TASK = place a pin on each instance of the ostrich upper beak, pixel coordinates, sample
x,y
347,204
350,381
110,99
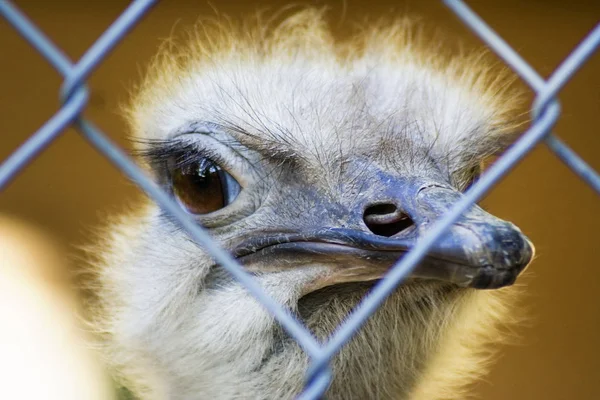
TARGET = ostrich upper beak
x,y
479,250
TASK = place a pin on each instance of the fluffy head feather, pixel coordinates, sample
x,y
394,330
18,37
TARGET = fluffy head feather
x,y
295,89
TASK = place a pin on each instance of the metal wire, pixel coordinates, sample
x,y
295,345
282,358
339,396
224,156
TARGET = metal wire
x,y
74,96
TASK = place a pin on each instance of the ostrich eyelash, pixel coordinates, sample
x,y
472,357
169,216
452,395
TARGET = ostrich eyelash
x,y
160,152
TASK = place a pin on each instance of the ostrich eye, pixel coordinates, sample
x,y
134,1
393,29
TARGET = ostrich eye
x,y
203,187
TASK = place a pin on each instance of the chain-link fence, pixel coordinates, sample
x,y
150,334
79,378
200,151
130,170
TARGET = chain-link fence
x,y
75,95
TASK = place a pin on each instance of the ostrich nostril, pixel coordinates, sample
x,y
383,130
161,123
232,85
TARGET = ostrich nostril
x,y
386,219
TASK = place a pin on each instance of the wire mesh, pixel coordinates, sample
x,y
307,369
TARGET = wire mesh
x,y
74,95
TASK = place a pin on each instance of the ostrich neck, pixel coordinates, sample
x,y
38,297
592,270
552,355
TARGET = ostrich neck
x,y
254,358
424,342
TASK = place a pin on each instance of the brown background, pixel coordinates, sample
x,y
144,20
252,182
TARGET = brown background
x,y
70,188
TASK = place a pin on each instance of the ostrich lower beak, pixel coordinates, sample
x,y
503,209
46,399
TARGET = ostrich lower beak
x,y
478,251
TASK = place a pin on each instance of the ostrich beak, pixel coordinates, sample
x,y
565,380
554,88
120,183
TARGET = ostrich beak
x,y
479,250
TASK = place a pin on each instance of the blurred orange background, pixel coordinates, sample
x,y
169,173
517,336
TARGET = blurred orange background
x,y
70,189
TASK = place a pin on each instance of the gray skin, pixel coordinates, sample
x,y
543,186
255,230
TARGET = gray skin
x,y
369,216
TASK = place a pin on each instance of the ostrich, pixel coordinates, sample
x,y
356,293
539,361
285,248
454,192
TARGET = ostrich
x,y
317,163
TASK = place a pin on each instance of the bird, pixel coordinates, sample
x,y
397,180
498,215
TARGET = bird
x,y
317,163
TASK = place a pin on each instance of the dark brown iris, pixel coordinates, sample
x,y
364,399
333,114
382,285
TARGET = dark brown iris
x,y
199,187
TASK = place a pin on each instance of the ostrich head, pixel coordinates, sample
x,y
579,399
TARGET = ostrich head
x,y
317,164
